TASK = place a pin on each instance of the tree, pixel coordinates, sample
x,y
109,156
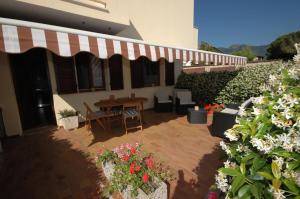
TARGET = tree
x,y
245,52
206,46
283,47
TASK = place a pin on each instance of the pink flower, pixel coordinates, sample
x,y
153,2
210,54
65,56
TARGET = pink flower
x,y
145,178
137,168
150,163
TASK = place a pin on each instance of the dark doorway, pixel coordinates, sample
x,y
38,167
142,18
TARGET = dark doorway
x,y
32,87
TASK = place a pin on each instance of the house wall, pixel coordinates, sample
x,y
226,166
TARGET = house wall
x,y
8,101
75,101
167,22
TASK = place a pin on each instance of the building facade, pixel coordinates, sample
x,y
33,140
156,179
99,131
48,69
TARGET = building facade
x,y
57,54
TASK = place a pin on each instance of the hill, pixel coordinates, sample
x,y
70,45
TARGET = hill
x,y
258,50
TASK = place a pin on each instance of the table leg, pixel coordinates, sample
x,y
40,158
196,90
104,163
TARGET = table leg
x,y
142,105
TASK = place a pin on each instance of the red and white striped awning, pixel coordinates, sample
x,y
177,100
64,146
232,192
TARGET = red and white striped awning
x,y
19,36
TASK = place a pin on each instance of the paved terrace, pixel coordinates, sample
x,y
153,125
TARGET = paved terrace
x,y
56,164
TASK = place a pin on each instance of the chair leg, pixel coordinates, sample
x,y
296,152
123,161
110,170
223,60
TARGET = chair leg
x,y
100,123
141,123
125,125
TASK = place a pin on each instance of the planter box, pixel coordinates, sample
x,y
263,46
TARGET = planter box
x,y
70,122
160,193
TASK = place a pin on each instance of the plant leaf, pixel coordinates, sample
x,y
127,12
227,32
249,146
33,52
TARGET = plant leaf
x,y
276,183
243,168
266,175
291,185
237,182
255,191
243,190
275,170
230,172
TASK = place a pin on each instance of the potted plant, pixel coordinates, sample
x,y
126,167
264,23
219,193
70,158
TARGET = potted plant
x,y
69,119
133,173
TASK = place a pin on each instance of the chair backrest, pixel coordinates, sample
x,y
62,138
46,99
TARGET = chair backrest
x,y
185,96
88,109
162,95
132,105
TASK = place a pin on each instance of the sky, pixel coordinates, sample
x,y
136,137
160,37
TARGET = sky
x,y
253,22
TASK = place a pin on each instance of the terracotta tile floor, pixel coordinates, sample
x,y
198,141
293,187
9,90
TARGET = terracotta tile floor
x,y
56,164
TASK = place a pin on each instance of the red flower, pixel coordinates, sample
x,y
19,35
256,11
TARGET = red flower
x,y
145,178
132,168
133,151
125,158
137,168
149,163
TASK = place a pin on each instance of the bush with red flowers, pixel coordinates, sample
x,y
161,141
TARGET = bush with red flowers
x,y
134,168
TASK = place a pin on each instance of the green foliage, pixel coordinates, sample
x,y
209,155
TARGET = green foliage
x,y
283,47
67,113
246,84
206,46
227,86
205,86
264,149
245,52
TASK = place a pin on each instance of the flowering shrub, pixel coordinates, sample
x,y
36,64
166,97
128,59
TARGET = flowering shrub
x,y
134,168
264,148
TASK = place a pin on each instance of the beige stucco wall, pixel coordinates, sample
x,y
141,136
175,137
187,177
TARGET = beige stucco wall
x,y
162,22
116,10
75,101
167,22
8,101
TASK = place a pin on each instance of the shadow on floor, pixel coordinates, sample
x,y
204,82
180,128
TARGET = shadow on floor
x,y
205,171
43,166
151,119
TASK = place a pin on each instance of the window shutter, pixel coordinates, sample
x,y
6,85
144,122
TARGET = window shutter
x,y
116,72
65,74
169,73
137,75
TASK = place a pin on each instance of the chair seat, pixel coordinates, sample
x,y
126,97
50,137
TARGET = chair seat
x,y
187,103
230,111
96,114
131,113
164,101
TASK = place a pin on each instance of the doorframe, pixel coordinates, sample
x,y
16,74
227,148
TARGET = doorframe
x,y
49,83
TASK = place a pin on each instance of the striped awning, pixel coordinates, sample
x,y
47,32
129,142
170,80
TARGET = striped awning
x,y
20,37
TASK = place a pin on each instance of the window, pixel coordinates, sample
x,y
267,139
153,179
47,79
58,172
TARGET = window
x,y
116,72
82,73
144,73
65,74
89,72
169,73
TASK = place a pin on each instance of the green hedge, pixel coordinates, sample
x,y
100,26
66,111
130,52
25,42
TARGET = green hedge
x,y
227,86
205,86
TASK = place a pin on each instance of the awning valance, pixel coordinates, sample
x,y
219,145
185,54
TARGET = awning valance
x,y
19,36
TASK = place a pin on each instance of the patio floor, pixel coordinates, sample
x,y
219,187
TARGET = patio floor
x,y
56,164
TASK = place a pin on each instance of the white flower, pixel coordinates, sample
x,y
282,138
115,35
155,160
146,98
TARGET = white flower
x,y
229,164
258,100
222,182
285,141
297,178
294,73
242,111
279,161
287,113
256,111
242,148
262,145
231,134
225,147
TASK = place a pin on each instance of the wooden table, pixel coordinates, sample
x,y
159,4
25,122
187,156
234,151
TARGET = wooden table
x,y
109,103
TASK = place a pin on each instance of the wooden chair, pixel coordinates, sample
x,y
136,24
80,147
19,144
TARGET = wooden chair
x,y
132,110
99,116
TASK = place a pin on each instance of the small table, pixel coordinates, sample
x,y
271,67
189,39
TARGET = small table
x,y
197,116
